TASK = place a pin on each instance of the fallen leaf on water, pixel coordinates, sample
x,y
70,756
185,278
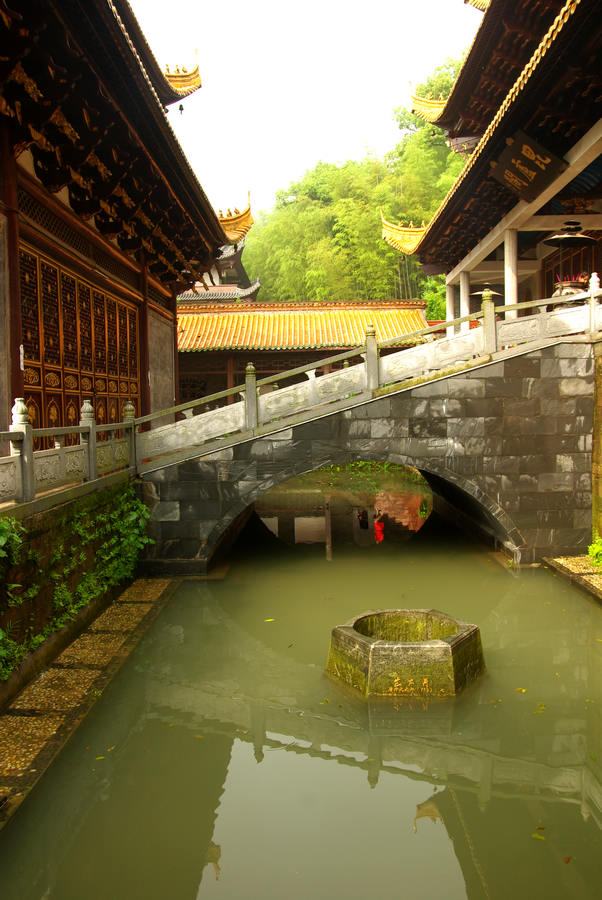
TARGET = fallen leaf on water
x,y
321,703
292,644
171,725
370,759
540,828
269,620
200,736
499,700
600,642
326,700
100,757
521,690
567,859
593,756
539,837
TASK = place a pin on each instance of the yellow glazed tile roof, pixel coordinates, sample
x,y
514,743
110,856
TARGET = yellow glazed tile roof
x,y
294,326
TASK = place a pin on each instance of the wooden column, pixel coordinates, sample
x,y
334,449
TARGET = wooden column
x,y
465,299
511,270
449,306
144,341
230,376
176,359
8,200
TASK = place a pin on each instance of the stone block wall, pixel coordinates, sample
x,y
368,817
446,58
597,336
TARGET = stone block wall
x,y
597,446
509,442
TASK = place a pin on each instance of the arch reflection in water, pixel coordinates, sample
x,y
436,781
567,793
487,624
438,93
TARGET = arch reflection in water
x,y
361,503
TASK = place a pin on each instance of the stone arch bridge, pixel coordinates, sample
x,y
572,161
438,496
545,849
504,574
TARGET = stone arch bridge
x,y
499,420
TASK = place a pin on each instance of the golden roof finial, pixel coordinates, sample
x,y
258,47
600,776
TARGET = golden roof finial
x,y
236,224
182,80
404,238
426,108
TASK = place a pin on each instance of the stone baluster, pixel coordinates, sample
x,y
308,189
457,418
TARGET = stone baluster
x,y
594,286
129,417
23,448
489,326
250,396
372,373
88,438
59,444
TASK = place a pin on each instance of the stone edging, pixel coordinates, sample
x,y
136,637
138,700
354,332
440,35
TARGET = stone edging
x,y
42,717
577,578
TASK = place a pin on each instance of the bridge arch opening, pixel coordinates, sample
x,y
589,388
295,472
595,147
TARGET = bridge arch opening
x,y
454,499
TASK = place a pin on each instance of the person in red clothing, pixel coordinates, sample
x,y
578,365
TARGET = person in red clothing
x,y
379,527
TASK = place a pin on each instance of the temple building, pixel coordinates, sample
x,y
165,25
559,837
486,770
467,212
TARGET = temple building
x,y
102,220
220,335
222,326
525,214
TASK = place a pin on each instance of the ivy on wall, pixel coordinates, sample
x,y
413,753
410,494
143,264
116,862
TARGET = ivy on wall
x,y
49,576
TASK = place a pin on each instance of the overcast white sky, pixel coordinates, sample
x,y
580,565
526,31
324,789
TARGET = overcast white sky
x,y
286,85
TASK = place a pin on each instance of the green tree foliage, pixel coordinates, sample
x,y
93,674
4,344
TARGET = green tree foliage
x,y
322,241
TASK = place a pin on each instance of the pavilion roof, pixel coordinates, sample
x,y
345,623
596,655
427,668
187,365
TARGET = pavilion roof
x,y
295,326
541,102
82,91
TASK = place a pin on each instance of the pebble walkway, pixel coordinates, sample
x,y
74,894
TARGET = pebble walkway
x,y
38,722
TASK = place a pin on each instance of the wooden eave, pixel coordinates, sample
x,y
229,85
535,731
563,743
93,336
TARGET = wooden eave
x,y
506,38
75,91
541,103
168,89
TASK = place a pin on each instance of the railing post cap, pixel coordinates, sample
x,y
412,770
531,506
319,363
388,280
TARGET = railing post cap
x,y
87,412
129,411
594,282
486,296
370,329
20,413
250,369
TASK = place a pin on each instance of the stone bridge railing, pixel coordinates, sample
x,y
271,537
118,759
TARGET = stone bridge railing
x,y
79,454
263,406
258,407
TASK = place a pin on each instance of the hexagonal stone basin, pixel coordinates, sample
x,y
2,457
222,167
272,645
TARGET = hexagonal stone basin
x,y
406,652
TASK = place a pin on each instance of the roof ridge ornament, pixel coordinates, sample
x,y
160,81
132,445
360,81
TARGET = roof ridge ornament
x,y
236,224
426,108
404,238
481,5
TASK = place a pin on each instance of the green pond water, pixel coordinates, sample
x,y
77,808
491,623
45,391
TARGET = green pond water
x,y
233,768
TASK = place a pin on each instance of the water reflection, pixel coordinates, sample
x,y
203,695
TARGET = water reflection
x,y
336,507
238,769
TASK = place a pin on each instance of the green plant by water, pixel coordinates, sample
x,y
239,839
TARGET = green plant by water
x,y
97,545
594,551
